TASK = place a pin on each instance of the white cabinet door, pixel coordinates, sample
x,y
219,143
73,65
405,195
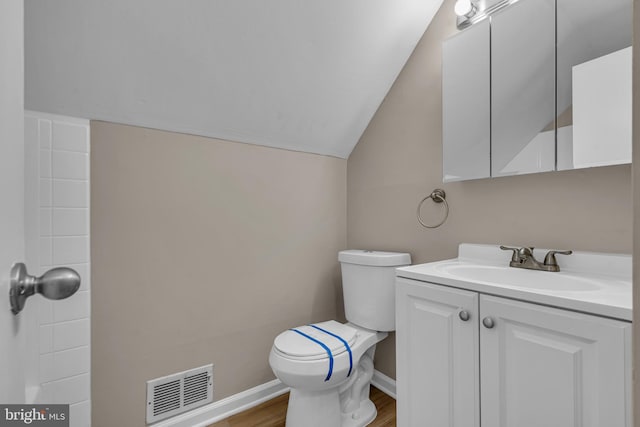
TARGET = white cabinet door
x,y
437,356
554,368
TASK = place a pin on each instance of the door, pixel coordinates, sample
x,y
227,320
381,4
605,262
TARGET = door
x,y
543,366
12,328
437,355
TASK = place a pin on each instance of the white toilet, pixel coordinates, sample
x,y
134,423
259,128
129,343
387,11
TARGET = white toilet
x,y
329,365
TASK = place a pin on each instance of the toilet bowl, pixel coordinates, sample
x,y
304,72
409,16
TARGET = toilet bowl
x,y
329,365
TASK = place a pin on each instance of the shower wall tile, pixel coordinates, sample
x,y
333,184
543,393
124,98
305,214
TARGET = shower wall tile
x,y
73,308
45,222
72,362
44,133
70,250
46,339
64,326
75,389
45,192
70,194
70,222
70,136
45,163
80,414
45,251
70,165
68,335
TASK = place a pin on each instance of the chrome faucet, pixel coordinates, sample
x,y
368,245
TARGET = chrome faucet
x,y
523,258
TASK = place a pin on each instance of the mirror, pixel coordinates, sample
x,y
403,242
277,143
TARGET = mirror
x,y
594,83
466,105
523,88
559,85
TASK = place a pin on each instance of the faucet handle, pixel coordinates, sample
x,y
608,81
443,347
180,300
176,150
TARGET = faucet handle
x,y
550,258
514,257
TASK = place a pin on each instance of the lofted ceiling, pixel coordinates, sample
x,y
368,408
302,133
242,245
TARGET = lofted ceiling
x,y
294,74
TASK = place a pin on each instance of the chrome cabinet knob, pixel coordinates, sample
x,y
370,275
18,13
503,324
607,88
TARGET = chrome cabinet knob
x,y
488,322
464,315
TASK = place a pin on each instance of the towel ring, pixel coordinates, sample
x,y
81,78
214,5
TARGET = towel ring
x,y
438,196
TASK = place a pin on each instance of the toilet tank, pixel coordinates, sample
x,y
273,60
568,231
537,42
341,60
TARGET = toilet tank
x,y
368,287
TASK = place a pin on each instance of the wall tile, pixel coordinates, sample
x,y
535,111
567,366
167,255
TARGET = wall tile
x,y
45,164
73,308
45,192
80,415
70,222
70,137
46,339
45,134
70,362
45,311
70,165
45,251
70,250
67,335
62,221
45,222
47,366
69,390
70,194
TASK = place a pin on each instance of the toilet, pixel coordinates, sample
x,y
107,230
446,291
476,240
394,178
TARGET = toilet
x,y
329,365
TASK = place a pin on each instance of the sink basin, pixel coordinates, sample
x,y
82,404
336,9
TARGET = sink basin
x,y
521,278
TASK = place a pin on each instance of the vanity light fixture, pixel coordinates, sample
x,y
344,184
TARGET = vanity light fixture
x,y
471,11
465,8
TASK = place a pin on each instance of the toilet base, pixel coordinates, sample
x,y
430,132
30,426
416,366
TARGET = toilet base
x,y
314,409
323,410
362,416
346,406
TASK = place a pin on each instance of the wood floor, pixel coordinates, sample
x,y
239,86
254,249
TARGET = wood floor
x,y
273,412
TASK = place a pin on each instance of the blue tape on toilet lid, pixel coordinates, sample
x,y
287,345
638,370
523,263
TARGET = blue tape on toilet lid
x,y
294,345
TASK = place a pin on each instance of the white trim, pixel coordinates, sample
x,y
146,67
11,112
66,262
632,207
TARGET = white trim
x,y
384,383
226,407
216,411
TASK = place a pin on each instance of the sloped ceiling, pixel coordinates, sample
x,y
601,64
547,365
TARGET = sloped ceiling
x,y
304,75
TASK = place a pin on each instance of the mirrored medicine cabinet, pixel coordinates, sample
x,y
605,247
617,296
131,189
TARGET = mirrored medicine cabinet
x,y
540,85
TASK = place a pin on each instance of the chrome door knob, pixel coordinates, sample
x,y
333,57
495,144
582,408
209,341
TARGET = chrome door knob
x,y
488,322
57,283
464,315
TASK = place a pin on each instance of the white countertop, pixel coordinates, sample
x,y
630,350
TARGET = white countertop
x,y
610,274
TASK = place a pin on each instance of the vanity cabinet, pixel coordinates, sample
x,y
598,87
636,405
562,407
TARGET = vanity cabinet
x,y
466,359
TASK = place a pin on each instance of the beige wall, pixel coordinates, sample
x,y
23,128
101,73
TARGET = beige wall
x,y
398,161
203,250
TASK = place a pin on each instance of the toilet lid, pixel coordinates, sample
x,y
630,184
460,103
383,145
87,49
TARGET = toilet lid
x,y
297,345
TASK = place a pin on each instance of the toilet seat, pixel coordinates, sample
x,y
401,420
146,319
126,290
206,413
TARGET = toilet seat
x,y
303,342
326,342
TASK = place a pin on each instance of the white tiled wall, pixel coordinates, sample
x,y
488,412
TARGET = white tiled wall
x,y
62,239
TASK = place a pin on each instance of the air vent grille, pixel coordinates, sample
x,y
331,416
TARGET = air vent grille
x,y
179,392
166,397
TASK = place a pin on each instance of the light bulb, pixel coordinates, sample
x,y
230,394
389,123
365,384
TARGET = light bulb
x,y
463,8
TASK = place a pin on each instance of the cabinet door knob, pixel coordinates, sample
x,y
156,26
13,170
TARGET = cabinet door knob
x,y
488,322
464,315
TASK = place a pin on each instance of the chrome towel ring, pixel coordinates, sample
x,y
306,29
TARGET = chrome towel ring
x,y
438,196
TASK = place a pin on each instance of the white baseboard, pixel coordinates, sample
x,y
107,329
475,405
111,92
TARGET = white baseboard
x,y
384,383
216,411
